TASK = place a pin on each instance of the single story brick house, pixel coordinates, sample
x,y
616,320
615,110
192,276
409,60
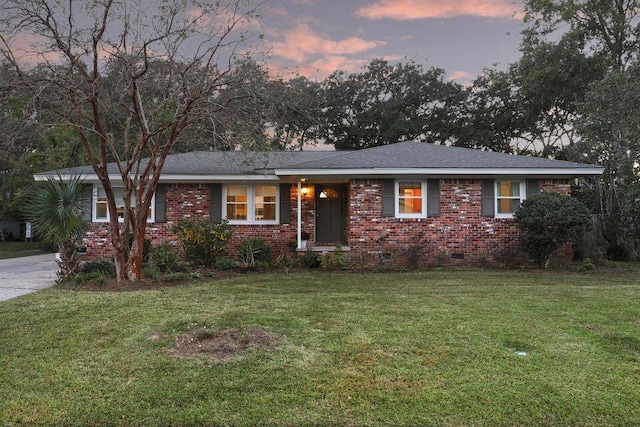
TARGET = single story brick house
x,y
378,204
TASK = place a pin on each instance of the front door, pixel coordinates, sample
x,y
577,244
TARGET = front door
x,y
329,213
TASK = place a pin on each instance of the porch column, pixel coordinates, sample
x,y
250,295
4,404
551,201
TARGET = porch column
x,y
299,197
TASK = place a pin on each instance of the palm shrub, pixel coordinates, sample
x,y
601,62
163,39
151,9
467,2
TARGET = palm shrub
x,y
55,212
548,221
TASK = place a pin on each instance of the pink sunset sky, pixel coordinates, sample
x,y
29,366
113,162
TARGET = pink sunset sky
x,y
318,37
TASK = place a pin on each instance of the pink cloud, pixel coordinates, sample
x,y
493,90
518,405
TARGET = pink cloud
x,y
316,69
465,78
424,9
302,42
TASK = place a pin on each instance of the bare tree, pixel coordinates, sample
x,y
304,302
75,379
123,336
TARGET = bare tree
x,y
166,64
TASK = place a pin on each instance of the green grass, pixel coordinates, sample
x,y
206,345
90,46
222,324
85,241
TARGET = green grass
x,y
20,249
432,348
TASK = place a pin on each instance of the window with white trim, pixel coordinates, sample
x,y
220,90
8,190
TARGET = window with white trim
x,y
509,196
101,212
411,199
251,204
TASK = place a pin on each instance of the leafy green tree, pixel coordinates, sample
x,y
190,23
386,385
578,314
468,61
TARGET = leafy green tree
x,y
491,118
55,213
548,221
297,111
609,124
388,103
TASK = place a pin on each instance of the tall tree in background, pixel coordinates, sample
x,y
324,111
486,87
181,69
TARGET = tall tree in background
x,y
297,110
585,55
189,45
389,103
491,118
609,126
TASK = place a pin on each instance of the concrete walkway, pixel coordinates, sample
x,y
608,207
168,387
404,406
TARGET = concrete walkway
x,y
21,276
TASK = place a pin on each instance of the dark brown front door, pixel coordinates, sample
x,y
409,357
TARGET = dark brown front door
x,y
329,213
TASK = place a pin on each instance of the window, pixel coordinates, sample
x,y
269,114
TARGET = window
x,y
101,212
411,201
237,203
251,204
265,203
509,196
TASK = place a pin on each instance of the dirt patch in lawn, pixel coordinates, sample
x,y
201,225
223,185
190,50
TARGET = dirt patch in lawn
x,y
223,345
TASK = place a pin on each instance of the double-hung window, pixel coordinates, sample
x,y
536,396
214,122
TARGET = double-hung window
x,y
411,200
509,196
100,210
251,204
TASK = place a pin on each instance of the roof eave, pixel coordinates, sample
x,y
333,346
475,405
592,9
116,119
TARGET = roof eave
x,y
565,171
166,178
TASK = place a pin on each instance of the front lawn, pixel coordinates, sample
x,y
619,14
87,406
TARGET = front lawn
x,y
430,348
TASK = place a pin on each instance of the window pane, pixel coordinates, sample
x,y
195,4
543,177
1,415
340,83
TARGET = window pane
x,y
410,198
237,211
265,202
101,210
410,189
509,189
237,194
237,202
508,206
329,193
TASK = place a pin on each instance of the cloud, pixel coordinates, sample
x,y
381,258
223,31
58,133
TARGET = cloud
x,y
404,10
463,77
301,42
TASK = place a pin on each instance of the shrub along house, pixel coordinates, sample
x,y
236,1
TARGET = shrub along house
x,y
453,205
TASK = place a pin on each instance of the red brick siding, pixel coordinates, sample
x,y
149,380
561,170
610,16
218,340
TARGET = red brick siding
x,y
460,228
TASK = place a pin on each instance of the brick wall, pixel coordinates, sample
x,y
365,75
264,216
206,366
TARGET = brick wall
x,y
459,232
459,236
192,201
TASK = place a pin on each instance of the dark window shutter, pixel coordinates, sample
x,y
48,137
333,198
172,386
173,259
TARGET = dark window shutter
x,y
488,195
433,197
388,197
86,203
161,203
533,187
215,204
285,203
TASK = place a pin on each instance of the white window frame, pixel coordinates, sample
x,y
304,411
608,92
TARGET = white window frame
x,y
251,204
94,210
496,198
423,184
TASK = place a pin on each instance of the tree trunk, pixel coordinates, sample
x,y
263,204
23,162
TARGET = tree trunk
x,y
136,254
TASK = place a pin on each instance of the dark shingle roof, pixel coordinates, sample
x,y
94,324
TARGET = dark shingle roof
x,y
403,155
419,155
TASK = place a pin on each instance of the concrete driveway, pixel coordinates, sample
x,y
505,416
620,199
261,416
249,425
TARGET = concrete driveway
x,y
21,276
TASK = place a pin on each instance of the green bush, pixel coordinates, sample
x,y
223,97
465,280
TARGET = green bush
x,y
164,257
203,241
102,266
225,264
97,277
336,260
310,259
252,251
548,221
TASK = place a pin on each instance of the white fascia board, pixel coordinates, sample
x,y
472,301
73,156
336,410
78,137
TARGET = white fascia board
x,y
170,178
596,170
